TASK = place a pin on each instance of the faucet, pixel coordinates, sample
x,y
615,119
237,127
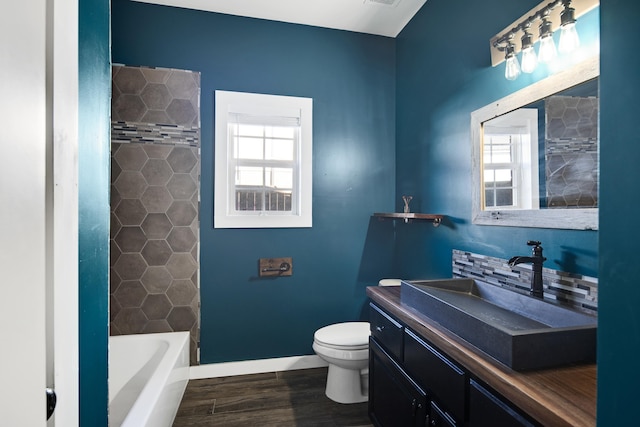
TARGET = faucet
x,y
536,261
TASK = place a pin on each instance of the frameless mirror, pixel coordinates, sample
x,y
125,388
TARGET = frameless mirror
x,y
535,154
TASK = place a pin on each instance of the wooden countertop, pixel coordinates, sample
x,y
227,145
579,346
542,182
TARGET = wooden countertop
x,y
554,397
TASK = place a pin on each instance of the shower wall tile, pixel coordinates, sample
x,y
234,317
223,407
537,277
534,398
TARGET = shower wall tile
x,y
155,105
571,151
155,177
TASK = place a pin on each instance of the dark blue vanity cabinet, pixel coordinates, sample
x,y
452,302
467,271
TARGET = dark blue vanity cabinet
x,y
394,398
486,409
413,383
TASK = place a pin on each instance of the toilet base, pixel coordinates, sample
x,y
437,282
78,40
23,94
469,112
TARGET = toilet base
x,y
346,385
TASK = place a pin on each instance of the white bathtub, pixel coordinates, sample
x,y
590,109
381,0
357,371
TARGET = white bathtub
x,y
148,374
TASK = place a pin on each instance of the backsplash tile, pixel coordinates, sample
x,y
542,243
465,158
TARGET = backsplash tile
x,y
573,290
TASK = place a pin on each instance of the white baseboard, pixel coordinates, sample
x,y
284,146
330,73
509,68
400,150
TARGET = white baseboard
x,y
226,369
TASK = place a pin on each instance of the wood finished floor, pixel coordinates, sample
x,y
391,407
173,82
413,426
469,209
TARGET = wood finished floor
x,y
291,398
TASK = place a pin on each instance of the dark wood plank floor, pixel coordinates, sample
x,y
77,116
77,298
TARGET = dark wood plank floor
x,y
291,398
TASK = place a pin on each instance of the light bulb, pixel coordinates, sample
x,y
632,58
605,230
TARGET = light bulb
x,y
569,40
529,60
512,70
547,52
529,57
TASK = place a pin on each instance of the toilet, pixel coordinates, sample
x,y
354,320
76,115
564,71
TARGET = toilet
x,y
345,347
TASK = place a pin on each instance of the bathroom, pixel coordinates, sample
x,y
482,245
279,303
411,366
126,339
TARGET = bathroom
x,y
393,108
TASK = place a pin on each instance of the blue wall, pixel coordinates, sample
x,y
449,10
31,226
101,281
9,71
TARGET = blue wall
x,y
94,106
619,290
351,78
444,73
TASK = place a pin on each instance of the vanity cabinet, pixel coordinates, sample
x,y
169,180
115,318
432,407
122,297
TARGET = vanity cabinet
x,y
413,383
394,398
486,409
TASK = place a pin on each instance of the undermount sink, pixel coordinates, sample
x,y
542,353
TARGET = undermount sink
x,y
518,330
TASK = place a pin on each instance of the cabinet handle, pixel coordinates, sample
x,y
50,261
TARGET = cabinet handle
x,y
379,328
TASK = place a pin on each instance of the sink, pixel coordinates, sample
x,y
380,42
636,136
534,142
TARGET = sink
x,y
520,331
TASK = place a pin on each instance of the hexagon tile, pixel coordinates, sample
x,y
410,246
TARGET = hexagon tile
x,y
571,151
155,105
154,202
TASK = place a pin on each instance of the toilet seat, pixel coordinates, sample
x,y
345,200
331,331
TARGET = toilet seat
x,y
349,336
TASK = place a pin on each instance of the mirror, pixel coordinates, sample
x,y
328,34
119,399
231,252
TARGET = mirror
x,y
535,154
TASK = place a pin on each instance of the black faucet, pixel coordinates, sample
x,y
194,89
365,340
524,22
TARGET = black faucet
x,y
536,261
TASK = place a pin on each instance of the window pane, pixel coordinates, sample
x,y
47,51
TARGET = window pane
x,y
497,149
250,130
278,201
489,176
504,197
279,149
279,177
503,177
249,148
246,175
501,153
489,199
279,132
248,200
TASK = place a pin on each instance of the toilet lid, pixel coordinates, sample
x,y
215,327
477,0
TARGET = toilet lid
x,y
344,334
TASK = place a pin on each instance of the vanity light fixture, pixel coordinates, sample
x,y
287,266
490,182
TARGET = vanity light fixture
x,y
550,16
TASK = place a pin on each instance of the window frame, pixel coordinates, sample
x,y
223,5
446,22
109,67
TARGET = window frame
x,y
263,107
522,129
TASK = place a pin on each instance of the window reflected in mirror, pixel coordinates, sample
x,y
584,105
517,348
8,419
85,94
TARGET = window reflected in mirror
x,y
544,155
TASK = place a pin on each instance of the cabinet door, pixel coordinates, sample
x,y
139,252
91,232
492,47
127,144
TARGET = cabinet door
x,y
444,380
394,399
488,410
438,418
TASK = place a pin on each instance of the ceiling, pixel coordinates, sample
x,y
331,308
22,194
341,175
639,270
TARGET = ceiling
x,y
380,17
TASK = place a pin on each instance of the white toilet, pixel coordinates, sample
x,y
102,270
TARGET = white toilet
x,y
345,346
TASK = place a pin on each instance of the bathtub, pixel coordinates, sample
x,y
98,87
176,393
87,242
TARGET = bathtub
x,y
148,374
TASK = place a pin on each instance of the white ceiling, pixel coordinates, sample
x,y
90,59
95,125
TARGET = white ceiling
x,y
381,17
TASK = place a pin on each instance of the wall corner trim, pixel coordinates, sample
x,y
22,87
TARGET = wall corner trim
x,y
226,369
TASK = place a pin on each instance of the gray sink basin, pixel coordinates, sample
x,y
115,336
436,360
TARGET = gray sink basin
x,y
518,330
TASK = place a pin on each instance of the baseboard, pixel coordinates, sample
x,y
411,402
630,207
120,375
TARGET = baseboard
x,y
226,369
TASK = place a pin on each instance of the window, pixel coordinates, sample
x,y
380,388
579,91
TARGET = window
x,y
510,161
263,149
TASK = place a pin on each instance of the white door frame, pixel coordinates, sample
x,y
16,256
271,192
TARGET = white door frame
x,y
38,221
62,212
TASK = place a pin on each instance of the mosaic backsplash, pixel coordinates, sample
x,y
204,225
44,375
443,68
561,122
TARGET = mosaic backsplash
x,y
155,180
574,290
571,151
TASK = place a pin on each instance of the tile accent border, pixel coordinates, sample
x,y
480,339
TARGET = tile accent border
x,y
123,132
573,290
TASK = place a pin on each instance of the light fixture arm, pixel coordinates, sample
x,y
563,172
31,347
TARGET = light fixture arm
x,y
501,42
